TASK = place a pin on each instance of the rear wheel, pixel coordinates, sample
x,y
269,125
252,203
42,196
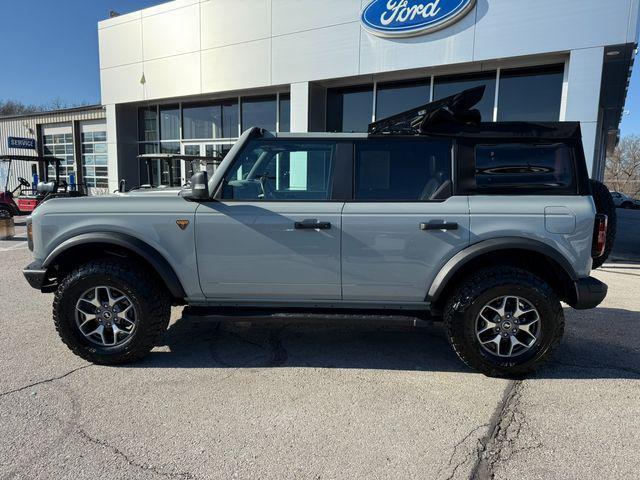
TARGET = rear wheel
x,y
504,321
111,312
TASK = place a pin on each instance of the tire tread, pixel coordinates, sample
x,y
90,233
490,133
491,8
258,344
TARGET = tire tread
x,y
482,281
158,315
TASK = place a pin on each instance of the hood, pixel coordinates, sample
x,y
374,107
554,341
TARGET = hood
x,y
152,192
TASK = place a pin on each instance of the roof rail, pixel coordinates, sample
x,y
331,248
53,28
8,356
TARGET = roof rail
x,y
454,109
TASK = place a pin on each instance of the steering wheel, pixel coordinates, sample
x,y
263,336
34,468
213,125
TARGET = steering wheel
x,y
23,182
267,190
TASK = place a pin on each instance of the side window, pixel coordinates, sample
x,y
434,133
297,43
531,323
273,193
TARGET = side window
x,y
403,169
511,167
281,170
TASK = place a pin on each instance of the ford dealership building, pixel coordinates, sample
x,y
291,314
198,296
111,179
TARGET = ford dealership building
x,y
188,76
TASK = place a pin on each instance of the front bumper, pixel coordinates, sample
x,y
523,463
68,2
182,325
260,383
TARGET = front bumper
x,y
35,275
589,293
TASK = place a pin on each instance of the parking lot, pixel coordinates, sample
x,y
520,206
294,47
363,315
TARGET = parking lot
x,y
315,401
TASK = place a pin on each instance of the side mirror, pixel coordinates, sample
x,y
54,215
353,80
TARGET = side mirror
x,y
199,186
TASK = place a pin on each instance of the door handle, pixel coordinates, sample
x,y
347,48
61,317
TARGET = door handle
x,y
312,225
439,226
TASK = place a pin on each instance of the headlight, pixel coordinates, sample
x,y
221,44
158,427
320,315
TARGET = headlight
x,y
30,234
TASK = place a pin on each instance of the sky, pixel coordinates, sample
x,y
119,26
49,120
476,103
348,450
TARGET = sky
x,y
631,117
49,50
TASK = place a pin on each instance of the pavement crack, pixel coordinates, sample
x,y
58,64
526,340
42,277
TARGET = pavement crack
x,y
134,463
468,455
48,380
500,446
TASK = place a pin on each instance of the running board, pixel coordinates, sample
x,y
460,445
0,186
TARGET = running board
x,y
240,314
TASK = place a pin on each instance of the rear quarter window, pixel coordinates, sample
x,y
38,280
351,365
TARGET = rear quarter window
x,y
513,168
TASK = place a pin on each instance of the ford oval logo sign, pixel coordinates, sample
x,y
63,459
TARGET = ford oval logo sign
x,y
405,18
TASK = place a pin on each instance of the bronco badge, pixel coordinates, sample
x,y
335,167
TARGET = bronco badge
x,y
183,224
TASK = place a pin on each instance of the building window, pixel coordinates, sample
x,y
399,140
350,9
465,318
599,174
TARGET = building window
x,y
148,124
60,145
285,113
170,122
94,159
394,98
349,109
530,94
208,121
259,112
451,85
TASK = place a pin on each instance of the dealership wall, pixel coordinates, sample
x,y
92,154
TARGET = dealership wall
x,y
190,48
32,125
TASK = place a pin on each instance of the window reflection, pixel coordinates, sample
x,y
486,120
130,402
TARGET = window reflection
x,y
394,98
451,85
169,122
530,94
259,112
349,109
285,113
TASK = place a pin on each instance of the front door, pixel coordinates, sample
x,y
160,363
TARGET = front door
x,y
404,223
274,233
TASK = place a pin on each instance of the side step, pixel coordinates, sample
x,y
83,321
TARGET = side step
x,y
241,314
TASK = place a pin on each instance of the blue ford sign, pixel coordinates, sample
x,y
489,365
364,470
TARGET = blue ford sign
x,y
17,142
406,18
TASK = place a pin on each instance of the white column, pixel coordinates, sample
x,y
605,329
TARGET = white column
x,y
300,107
112,147
581,100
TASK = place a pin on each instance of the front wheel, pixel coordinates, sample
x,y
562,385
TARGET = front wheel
x,y
111,312
504,321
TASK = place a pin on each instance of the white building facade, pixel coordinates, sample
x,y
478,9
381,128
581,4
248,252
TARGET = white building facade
x,y
188,76
75,136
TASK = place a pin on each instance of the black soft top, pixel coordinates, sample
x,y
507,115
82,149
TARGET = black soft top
x,y
507,130
455,117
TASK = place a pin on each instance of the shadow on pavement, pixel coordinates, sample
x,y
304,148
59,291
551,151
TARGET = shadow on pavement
x,y
602,343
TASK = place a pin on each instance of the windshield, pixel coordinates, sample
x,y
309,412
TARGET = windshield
x,y
4,174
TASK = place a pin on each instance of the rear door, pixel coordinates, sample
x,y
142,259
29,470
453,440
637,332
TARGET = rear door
x,y
403,223
275,232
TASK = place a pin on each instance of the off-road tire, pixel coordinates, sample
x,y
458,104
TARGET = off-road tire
x,y
152,302
605,205
465,303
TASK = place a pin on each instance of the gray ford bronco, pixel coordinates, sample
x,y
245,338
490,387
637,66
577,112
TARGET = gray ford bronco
x,y
431,214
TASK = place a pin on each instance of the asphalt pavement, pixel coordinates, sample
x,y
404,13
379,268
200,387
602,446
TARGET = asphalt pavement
x,y
627,244
286,400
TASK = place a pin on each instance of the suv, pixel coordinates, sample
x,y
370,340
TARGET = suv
x,y
622,200
486,226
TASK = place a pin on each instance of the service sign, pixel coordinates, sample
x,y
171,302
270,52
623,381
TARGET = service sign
x,y
17,142
407,18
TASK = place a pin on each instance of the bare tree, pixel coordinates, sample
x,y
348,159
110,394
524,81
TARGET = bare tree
x,y
14,107
622,172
